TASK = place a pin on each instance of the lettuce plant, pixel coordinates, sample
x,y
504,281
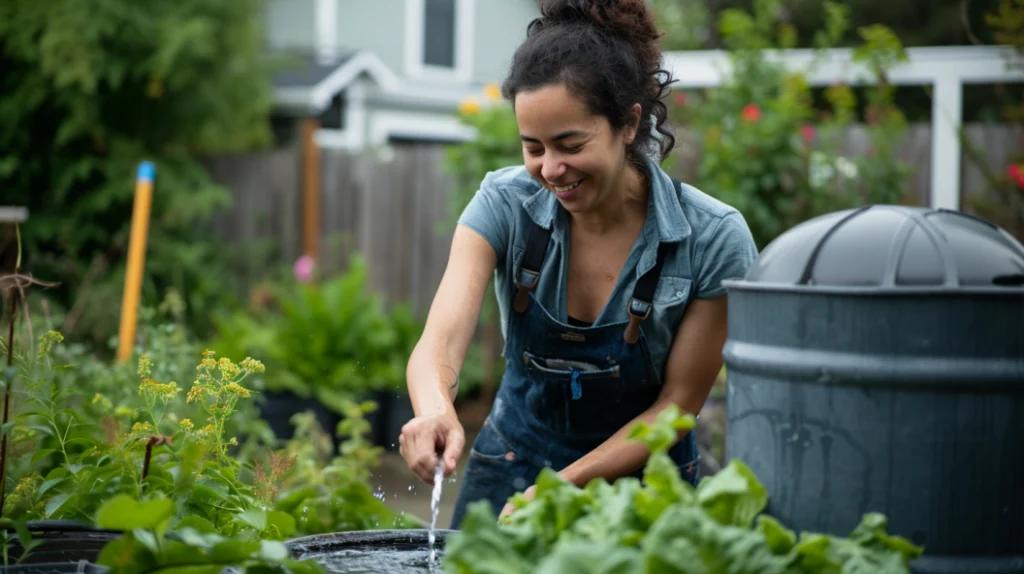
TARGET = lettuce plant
x,y
662,524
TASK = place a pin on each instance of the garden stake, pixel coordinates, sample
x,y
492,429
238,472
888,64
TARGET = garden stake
x,y
12,308
136,259
150,443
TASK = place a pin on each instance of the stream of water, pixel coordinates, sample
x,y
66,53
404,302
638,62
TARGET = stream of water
x,y
435,505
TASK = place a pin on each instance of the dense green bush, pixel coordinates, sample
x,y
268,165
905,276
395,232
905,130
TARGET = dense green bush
x,y
763,146
332,339
87,90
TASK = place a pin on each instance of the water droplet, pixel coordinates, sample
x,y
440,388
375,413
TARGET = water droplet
x,y
410,488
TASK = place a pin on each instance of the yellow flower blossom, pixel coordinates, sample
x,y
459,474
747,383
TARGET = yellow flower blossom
x,y
492,92
47,341
195,394
186,424
228,370
237,389
208,353
252,365
470,106
145,367
167,390
101,400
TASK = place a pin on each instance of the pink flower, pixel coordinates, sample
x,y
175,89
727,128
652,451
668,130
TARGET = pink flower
x,y
680,99
303,269
807,131
751,112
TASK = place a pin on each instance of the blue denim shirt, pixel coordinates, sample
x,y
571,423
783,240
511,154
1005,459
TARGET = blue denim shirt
x,y
716,244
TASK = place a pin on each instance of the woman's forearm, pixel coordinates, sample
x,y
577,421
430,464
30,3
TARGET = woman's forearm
x,y
432,379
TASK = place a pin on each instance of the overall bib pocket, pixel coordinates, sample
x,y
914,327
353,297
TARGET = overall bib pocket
x,y
585,400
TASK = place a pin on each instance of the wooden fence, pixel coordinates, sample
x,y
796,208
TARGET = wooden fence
x,y
392,206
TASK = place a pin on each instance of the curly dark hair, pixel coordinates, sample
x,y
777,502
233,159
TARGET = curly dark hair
x,y
606,53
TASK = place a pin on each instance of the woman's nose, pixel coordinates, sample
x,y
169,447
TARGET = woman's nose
x,y
553,168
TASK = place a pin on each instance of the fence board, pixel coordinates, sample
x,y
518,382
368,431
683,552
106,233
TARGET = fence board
x,y
392,205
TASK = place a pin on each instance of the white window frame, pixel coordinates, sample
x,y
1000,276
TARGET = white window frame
x,y
415,18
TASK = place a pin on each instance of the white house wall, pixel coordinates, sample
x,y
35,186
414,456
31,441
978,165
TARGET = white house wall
x,y
500,28
290,25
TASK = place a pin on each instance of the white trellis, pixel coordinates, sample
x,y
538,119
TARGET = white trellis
x,y
946,69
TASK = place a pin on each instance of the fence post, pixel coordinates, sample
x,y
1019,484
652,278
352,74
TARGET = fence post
x,y
310,188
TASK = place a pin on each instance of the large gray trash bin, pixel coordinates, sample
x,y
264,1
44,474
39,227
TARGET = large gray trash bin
x,y
876,363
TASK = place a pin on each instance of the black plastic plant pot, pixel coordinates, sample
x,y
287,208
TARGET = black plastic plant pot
x,y
392,551
279,407
80,567
61,542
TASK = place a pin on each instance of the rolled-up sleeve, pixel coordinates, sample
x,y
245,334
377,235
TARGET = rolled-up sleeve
x,y
727,252
489,213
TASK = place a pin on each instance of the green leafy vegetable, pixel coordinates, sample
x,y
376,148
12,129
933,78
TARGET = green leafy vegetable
x,y
662,525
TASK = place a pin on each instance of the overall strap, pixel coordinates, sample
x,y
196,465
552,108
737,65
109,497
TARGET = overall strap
x,y
639,306
528,273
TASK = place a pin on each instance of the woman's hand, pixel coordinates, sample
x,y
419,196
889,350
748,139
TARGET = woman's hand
x,y
424,437
510,508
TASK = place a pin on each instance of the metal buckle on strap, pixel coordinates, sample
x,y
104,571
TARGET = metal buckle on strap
x,y
524,287
632,334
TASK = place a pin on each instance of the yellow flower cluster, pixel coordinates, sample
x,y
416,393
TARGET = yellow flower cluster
x,y
472,105
47,341
186,424
237,389
158,389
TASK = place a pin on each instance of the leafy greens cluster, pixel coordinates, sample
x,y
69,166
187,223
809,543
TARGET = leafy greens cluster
x,y
662,524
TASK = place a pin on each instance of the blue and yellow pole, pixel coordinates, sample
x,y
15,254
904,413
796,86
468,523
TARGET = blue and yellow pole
x,y
136,259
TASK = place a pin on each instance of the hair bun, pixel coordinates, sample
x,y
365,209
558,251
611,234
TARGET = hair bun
x,y
629,19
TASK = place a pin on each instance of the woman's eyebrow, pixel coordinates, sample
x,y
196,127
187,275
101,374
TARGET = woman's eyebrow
x,y
561,136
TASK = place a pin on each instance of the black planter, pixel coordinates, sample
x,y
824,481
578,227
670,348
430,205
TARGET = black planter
x,y
278,407
395,409
392,551
64,545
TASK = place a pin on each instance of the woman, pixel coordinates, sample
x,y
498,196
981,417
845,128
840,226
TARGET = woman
x,y
608,273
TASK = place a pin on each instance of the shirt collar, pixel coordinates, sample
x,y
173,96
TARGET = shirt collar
x,y
669,224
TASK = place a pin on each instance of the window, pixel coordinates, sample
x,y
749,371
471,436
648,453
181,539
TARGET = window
x,y
439,33
439,36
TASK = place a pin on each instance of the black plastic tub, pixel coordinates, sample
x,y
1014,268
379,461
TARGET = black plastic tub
x,y
391,551
66,546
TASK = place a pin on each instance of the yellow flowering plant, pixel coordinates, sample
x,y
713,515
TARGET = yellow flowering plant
x,y
69,465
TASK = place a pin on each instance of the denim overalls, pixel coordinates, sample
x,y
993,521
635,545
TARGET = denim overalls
x,y
566,389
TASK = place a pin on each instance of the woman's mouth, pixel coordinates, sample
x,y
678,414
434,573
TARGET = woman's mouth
x,y
566,191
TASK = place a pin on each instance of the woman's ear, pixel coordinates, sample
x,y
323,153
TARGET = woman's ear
x,y
634,123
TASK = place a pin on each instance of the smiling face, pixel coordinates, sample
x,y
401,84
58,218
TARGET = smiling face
x,y
570,151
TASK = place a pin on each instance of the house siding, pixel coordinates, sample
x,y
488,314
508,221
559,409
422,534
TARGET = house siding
x,y
377,26
500,28
290,25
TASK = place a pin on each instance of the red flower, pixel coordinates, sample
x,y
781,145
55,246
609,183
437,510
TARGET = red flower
x,y
1017,174
751,112
680,99
807,131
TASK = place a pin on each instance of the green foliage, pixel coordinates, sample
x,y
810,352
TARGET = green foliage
x,y
662,524
76,454
763,148
88,91
148,546
332,339
1003,200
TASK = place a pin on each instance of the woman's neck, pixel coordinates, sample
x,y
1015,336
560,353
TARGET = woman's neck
x,y
623,204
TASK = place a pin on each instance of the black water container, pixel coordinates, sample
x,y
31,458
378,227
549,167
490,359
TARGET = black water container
x,y
876,364
391,551
64,547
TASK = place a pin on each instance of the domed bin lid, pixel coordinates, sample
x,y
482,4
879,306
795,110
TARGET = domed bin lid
x,y
885,248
